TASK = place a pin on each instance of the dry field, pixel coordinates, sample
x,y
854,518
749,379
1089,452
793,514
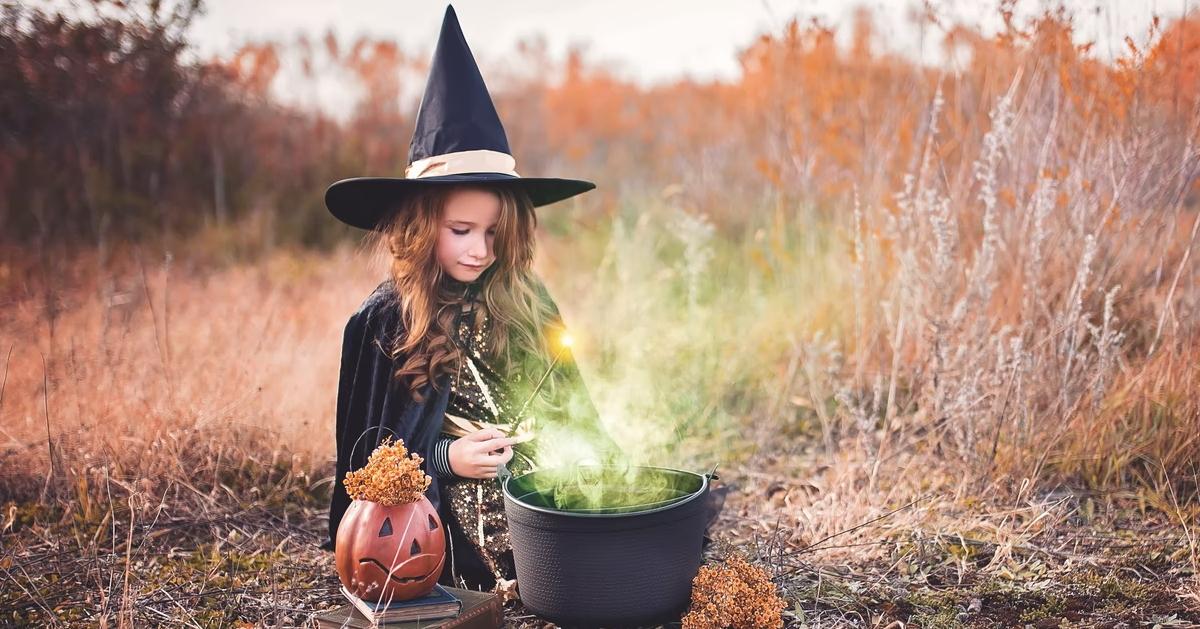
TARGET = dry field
x,y
938,331
168,444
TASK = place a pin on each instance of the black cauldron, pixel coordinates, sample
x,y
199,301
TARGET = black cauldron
x,y
625,557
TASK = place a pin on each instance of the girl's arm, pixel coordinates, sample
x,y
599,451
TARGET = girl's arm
x,y
370,404
479,454
351,404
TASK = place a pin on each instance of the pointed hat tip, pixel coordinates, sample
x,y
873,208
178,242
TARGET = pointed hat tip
x,y
450,20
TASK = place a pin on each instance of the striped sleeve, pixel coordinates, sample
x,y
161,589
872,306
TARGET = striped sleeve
x,y
441,457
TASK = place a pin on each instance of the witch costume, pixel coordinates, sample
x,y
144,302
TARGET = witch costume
x,y
457,139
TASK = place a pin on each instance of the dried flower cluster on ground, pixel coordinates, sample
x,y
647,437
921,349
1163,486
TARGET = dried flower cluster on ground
x,y
736,595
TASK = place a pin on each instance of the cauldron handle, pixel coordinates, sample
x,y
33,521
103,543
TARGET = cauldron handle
x,y
503,474
712,474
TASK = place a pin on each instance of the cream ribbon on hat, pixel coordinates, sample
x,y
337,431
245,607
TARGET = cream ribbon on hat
x,y
460,162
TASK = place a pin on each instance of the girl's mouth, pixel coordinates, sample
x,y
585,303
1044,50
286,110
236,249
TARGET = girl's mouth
x,y
473,267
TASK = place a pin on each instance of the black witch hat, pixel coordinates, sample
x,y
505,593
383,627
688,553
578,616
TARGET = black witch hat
x,y
458,139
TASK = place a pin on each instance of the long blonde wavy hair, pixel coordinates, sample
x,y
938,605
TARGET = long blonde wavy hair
x,y
520,317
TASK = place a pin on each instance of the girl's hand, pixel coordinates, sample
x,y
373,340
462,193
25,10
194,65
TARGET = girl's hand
x,y
480,453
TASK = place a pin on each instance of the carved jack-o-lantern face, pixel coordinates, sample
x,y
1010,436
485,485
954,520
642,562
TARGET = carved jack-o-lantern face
x,y
390,553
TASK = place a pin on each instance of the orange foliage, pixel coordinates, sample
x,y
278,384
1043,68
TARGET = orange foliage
x,y
253,67
806,120
816,120
1174,64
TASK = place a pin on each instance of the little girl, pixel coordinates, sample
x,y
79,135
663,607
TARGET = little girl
x,y
460,345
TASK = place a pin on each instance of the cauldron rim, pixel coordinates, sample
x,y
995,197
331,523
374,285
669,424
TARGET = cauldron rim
x,y
695,495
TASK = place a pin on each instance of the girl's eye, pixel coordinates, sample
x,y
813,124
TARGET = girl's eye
x,y
491,232
460,232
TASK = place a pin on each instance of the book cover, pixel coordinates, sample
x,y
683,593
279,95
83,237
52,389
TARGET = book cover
x,y
480,610
439,603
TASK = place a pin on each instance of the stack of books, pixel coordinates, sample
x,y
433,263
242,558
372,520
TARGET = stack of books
x,y
443,608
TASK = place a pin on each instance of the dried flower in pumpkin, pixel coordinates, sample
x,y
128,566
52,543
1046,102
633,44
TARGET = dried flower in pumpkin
x,y
391,476
736,595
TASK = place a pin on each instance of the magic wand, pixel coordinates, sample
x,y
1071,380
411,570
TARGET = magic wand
x,y
564,342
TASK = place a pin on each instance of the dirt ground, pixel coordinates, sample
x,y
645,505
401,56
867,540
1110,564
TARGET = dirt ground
x,y
216,559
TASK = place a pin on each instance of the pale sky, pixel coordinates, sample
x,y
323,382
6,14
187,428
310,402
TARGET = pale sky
x,y
645,40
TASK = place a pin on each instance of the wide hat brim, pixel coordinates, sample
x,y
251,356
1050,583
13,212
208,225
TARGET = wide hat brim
x,y
365,201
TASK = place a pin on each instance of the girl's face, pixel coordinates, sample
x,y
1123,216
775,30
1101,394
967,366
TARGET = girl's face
x,y
466,233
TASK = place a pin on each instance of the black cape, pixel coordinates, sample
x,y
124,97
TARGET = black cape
x,y
372,405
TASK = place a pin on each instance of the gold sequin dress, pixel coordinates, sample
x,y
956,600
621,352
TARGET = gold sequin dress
x,y
477,400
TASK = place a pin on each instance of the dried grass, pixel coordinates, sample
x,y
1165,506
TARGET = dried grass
x,y
985,367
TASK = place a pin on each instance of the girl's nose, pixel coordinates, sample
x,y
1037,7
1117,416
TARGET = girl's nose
x,y
479,248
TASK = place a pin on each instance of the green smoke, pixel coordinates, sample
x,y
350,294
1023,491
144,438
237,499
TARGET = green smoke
x,y
682,335
597,489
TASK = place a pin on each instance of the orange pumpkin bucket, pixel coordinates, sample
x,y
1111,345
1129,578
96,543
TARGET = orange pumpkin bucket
x,y
390,542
